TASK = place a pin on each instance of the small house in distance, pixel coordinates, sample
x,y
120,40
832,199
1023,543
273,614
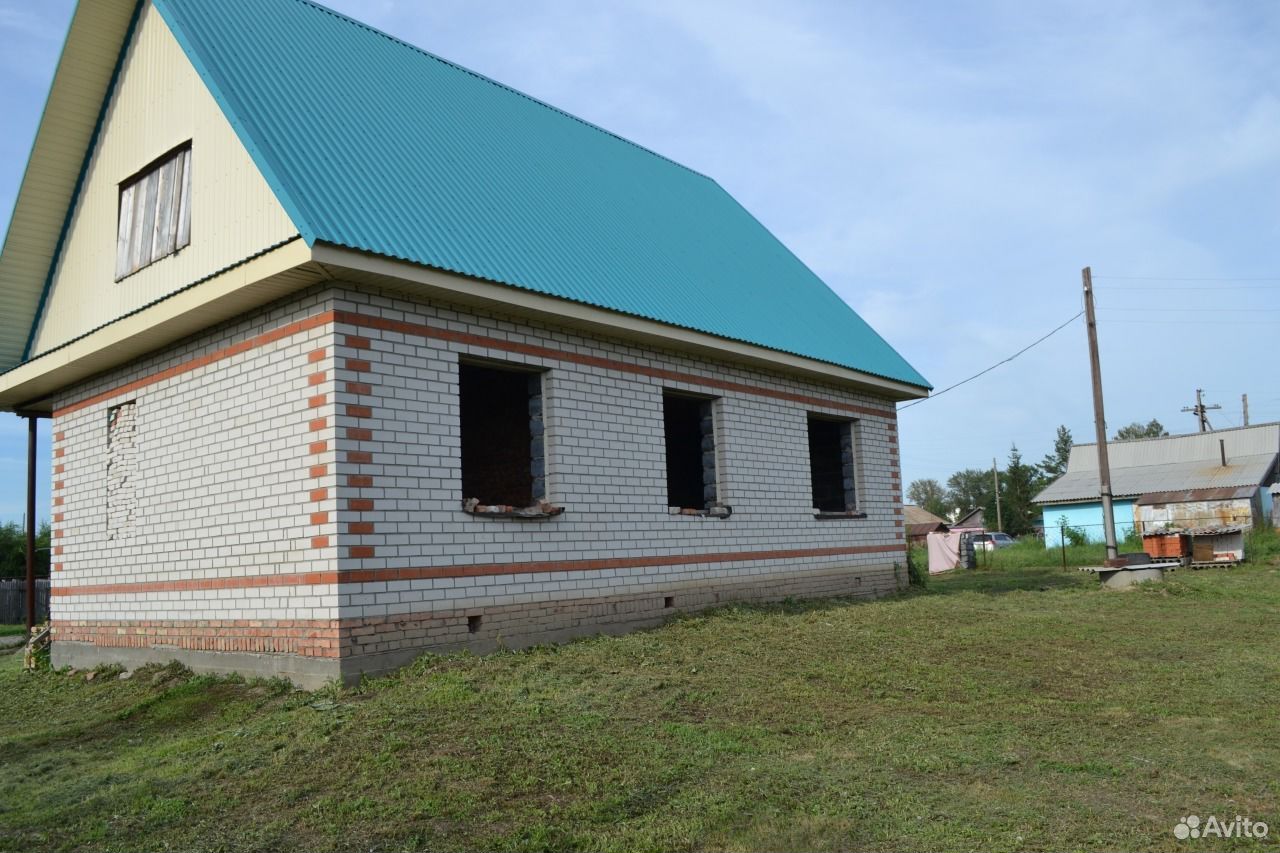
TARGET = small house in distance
x,y
973,521
352,353
921,522
1209,479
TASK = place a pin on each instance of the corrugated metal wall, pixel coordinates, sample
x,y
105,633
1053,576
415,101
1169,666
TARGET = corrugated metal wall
x,y
160,102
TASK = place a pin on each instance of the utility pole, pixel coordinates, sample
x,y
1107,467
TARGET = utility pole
x,y
1201,411
30,523
1100,422
995,478
1244,401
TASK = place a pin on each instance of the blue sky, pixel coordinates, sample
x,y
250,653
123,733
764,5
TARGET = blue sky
x,y
946,168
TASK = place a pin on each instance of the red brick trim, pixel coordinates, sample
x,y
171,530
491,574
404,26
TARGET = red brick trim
x,y
285,331
431,332
250,582
358,576
422,330
304,637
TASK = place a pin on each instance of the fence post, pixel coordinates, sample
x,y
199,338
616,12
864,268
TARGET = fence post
x,y
1062,537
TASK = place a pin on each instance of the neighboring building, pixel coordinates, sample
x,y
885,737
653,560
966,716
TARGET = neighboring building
x,y
351,353
920,523
1173,481
973,521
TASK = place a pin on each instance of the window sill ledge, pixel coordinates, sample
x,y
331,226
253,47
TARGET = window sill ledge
x,y
538,512
836,516
719,513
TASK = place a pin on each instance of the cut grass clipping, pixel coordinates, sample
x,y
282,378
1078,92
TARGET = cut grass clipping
x,y
1016,709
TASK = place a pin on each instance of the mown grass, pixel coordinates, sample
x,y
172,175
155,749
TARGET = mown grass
x,y
1261,546
999,710
12,630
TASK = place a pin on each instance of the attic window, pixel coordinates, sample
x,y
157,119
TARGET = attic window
x,y
831,465
155,212
691,451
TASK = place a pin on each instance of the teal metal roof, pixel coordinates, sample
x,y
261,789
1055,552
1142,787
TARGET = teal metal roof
x,y
373,144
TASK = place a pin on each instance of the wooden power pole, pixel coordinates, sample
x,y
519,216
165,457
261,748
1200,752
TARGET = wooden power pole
x,y
1244,402
1100,422
1201,411
995,478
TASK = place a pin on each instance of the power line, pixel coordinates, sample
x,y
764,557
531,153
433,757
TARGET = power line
x,y
1127,288
1197,310
994,366
1185,278
1191,322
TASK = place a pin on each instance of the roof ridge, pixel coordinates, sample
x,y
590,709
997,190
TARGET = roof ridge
x,y
362,25
1112,441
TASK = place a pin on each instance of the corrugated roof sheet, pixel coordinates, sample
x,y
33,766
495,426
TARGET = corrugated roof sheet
x,y
1224,493
919,515
1170,464
373,144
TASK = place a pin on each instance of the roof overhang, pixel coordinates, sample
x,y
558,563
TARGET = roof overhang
x,y
293,266
71,118
269,276
404,276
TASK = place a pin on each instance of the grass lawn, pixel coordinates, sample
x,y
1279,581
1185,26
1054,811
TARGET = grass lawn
x,y
1000,710
12,630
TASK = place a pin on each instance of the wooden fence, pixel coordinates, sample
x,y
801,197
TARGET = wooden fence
x,y
13,601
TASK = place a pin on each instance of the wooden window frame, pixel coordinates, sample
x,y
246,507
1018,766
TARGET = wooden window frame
x,y
129,257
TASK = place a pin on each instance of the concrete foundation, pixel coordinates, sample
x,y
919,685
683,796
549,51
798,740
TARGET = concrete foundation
x,y
307,673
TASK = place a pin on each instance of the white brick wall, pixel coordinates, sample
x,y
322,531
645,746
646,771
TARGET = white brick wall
x,y
227,486
220,484
605,455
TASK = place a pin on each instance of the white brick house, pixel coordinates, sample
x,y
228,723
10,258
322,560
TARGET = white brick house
x,y
322,399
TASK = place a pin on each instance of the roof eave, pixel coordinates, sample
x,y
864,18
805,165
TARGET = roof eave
x,y
394,274
55,165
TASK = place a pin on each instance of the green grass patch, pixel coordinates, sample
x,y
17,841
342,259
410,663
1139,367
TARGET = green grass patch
x,y
999,709
12,630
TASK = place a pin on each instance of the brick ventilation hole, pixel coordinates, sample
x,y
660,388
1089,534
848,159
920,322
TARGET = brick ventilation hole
x,y
473,624
669,602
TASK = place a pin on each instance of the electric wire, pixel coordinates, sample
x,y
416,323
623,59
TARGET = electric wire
x,y
1034,343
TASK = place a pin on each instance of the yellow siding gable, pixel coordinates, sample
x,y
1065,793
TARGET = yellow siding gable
x,y
159,103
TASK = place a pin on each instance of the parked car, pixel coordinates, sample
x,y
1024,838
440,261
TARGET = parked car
x,y
992,541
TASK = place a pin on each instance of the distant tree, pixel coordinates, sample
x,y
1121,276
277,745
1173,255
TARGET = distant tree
x,y
970,489
1019,483
929,495
1153,429
13,551
1054,465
